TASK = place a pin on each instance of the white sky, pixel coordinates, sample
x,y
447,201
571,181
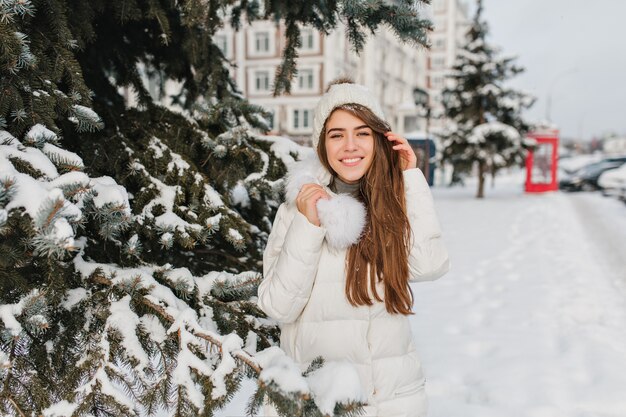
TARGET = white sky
x,y
573,51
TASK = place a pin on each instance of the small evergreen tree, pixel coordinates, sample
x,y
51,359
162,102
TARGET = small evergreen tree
x,y
485,117
131,237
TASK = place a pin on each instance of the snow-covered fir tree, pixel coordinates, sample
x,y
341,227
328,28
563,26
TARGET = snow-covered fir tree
x,y
131,237
485,125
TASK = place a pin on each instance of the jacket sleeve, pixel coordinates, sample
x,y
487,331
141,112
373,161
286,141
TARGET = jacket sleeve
x,y
428,257
290,263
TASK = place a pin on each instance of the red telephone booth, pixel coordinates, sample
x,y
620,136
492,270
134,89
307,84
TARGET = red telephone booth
x,y
541,162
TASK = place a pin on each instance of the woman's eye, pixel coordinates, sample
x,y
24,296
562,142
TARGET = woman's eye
x,y
335,136
363,134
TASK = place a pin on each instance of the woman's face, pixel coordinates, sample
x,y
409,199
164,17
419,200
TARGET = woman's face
x,y
349,145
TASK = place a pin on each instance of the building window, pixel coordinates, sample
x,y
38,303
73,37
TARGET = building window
x,y
439,62
262,42
221,42
305,79
302,118
270,119
307,39
410,123
437,82
440,43
262,80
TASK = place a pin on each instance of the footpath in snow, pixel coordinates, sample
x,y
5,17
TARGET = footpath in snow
x,y
531,320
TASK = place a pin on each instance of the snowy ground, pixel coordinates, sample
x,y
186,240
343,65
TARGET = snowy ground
x,y
531,320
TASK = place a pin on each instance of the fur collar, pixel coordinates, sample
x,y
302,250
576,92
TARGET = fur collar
x,y
343,216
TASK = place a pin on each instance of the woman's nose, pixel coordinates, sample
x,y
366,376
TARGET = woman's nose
x,y
351,143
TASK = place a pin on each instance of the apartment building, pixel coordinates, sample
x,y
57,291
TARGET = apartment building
x,y
387,67
451,23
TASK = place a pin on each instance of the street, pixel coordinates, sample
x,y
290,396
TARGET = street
x,y
530,320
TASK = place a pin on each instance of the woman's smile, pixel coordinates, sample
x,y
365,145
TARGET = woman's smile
x,y
350,162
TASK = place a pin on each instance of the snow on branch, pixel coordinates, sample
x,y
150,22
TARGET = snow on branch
x,y
160,150
54,221
182,319
282,370
124,320
38,135
55,202
332,385
481,133
201,349
86,119
63,160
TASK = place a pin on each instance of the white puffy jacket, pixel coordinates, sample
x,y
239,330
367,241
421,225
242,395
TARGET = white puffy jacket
x,y
304,290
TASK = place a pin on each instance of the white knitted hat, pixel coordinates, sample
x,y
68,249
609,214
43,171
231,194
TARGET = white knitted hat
x,y
337,95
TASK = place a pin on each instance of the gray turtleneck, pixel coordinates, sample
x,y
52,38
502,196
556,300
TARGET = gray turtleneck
x,y
341,187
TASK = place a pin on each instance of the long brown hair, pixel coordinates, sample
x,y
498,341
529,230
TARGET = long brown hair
x,y
384,245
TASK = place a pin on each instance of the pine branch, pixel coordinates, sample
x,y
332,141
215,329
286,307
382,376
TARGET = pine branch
x,y
239,354
7,190
53,212
286,71
7,382
16,406
65,164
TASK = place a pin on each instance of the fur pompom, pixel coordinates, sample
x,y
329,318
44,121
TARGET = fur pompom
x,y
343,217
309,170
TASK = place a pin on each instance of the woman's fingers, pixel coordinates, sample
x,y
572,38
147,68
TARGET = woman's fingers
x,y
311,186
307,199
402,146
307,188
407,154
310,190
396,138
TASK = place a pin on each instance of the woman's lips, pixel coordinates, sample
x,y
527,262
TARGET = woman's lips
x,y
350,162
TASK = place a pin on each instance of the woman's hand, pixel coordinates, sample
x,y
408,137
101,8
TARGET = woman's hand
x,y
408,159
307,201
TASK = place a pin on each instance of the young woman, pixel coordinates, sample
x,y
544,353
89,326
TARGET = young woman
x,y
358,226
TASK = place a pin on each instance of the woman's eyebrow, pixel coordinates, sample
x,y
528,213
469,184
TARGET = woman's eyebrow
x,y
343,128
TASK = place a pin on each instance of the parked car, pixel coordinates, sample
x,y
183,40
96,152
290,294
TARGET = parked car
x,y
570,164
586,178
613,182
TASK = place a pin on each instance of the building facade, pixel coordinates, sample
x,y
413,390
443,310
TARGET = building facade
x,y
387,67
451,23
